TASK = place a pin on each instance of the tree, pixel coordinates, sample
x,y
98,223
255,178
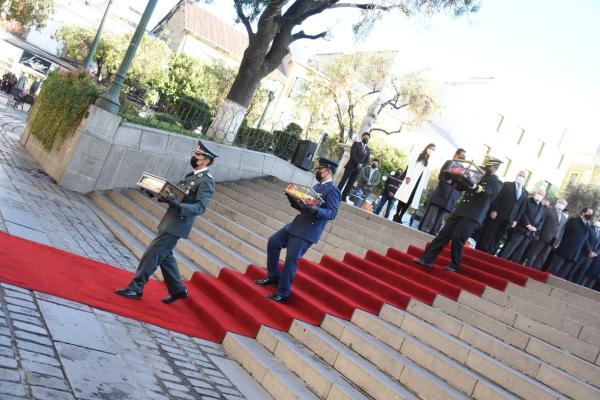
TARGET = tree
x,y
390,158
278,24
28,13
580,196
77,40
413,91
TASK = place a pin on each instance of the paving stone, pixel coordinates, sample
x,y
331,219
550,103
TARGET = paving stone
x,y
40,368
46,381
167,377
208,393
219,381
200,384
64,302
18,295
7,352
192,374
26,318
43,340
8,362
36,348
10,375
21,310
38,358
43,393
12,389
30,327
225,389
14,288
5,341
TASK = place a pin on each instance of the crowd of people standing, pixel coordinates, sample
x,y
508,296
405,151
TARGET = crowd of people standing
x,y
503,218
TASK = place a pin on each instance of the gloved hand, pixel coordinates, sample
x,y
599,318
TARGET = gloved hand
x,y
148,193
313,209
298,205
171,202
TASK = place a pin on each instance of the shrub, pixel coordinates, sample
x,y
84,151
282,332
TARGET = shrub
x,y
190,112
285,142
63,101
254,139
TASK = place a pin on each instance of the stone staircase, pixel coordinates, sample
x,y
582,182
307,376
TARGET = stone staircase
x,y
479,335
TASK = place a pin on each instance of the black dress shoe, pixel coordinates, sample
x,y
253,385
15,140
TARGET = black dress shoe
x,y
266,282
277,297
422,262
129,293
451,267
174,297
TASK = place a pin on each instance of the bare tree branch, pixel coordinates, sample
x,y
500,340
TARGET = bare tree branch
x,y
368,94
303,35
302,9
369,6
243,18
387,132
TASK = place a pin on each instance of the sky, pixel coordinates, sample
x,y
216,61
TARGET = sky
x,y
542,56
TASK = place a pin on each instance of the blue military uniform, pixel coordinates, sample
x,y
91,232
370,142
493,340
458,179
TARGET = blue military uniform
x,y
176,223
297,236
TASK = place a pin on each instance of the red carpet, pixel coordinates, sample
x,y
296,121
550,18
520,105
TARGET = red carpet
x,y
233,303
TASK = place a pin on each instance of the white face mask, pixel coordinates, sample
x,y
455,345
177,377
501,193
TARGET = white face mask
x,y
597,224
538,198
560,206
520,180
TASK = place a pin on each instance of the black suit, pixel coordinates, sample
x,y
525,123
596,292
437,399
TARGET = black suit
x,y
442,202
467,217
573,244
508,209
550,235
579,274
359,157
534,215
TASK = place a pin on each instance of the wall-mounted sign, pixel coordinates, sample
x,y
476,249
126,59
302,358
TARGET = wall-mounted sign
x,y
35,62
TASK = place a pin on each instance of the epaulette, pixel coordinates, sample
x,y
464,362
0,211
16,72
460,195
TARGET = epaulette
x,y
209,175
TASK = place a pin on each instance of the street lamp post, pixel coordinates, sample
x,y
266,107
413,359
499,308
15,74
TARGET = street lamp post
x,y
270,98
110,100
94,46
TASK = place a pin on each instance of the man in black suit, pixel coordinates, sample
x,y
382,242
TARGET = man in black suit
x,y
443,199
359,156
573,244
527,228
467,217
505,211
580,272
549,236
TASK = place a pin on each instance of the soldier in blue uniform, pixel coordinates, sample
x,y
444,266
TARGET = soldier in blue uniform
x,y
301,233
467,217
176,223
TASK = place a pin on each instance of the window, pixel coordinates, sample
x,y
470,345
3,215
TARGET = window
x,y
529,175
542,145
521,136
562,158
500,122
508,165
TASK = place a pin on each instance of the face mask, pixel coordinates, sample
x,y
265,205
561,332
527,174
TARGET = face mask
x,y
538,198
520,180
194,162
597,224
374,166
365,140
560,206
544,205
489,170
587,216
318,176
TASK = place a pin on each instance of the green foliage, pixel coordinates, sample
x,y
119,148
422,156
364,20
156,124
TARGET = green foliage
x,y
77,40
254,139
161,121
28,13
186,76
580,196
390,158
330,148
192,113
62,103
285,142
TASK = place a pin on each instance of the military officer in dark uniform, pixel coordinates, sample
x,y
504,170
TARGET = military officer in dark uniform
x,y
467,217
301,233
176,223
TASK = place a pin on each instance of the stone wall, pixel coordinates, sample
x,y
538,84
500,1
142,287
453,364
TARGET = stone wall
x,y
106,153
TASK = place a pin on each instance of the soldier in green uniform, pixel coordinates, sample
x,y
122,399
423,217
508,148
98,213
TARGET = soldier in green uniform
x,y
176,223
467,217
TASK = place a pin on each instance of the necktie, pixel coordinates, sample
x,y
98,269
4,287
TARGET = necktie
x,y
519,190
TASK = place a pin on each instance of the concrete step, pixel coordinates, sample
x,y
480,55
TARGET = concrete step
x,y
356,369
218,254
560,283
412,376
454,335
428,357
566,296
215,239
136,236
320,378
511,305
274,377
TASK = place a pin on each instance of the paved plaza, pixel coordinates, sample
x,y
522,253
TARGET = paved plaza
x,y
52,348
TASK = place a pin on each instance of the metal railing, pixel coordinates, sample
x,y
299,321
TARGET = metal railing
x,y
194,118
